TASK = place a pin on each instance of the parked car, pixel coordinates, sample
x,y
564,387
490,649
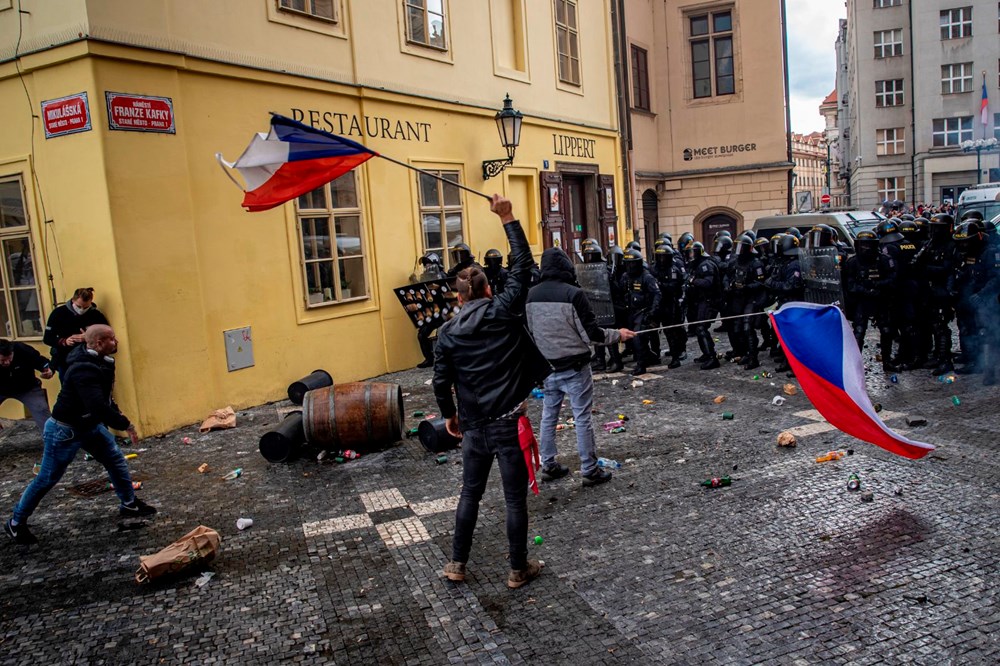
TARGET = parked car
x,y
847,223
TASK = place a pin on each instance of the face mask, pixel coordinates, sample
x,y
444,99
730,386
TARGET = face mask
x,y
77,309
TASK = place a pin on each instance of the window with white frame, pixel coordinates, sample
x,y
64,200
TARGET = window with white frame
x,y
891,189
321,9
888,43
890,141
332,240
20,305
425,24
712,56
956,23
956,78
889,93
881,4
568,41
952,131
441,215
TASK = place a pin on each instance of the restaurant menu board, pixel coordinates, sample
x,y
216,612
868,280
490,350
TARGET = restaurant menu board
x,y
429,303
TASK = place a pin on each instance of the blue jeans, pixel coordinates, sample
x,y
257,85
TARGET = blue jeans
x,y
578,385
61,444
37,403
480,446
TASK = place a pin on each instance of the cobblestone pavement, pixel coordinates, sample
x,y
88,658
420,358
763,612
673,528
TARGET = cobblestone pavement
x,y
343,562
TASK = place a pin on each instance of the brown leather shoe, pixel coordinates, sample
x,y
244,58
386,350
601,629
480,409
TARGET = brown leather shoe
x,y
455,571
517,578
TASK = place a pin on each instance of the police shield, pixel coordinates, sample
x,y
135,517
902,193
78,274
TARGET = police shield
x,y
428,304
821,272
593,279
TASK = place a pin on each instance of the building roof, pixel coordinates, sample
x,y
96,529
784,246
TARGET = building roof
x,y
831,98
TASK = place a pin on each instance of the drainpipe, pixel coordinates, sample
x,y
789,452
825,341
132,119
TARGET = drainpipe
x,y
624,119
913,115
788,108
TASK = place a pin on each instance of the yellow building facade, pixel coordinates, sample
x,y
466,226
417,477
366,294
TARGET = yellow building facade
x,y
111,113
707,142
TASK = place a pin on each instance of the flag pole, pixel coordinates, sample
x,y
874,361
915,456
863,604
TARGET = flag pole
x,y
434,175
703,321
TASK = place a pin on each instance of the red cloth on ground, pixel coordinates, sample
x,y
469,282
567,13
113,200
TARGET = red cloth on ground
x,y
529,445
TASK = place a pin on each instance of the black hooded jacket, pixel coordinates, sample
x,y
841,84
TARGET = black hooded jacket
x,y
560,317
485,352
85,399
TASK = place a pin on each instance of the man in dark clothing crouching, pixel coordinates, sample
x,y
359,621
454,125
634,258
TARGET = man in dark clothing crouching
x,y
564,328
485,354
82,410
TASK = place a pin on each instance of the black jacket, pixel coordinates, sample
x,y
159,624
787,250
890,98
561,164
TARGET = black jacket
x,y
19,376
64,322
560,317
485,352
85,399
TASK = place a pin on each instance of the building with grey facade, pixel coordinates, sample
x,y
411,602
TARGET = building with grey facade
x,y
913,73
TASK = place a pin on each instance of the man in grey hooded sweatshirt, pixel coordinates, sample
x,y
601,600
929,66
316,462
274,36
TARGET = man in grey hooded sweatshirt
x,y
564,328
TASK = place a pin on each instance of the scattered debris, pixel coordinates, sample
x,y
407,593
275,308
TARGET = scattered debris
x,y
719,399
243,523
418,414
610,425
878,407
220,419
539,540
204,578
853,482
727,416
915,421
955,401
615,431
186,440
537,393
203,468
647,402
898,492
441,459
831,455
789,389
778,400
867,496
894,379
717,482
786,438
235,474
636,383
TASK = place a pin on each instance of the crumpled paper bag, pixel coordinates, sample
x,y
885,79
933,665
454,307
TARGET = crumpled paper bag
x,y
220,419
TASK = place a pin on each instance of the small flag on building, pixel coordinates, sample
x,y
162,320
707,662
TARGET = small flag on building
x,y
984,108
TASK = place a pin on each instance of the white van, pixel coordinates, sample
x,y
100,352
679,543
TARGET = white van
x,y
847,223
985,198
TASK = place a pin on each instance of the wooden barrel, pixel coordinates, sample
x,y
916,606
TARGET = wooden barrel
x,y
435,437
317,379
283,443
360,415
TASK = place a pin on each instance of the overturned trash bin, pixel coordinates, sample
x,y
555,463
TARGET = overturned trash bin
x,y
360,415
284,442
435,436
317,379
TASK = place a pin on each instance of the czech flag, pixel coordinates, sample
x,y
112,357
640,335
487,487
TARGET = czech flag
x,y
291,160
984,106
821,349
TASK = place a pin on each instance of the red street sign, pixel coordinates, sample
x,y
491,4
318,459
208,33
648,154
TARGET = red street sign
x,y
66,115
824,199
140,113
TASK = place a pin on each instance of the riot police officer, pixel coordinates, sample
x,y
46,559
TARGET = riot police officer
x,y
496,274
767,255
431,270
618,302
461,258
721,253
868,280
912,354
784,283
976,285
684,244
643,299
703,291
935,263
670,276
746,297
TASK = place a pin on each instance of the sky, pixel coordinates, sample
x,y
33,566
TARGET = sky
x,y
812,32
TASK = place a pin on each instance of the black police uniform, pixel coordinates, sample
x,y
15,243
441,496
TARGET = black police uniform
x,y
868,286
702,296
746,297
785,284
935,263
643,299
668,269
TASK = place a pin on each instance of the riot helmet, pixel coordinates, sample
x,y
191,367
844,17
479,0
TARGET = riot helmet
x,y
721,233
971,215
430,258
460,254
615,257
940,227
592,252
665,236
910,230
866,243
886,227
664,256
968,238
684,242
822,235
906,217
695,251
763,246
723,246
633,245
632,261
794,231
922,228
751,233
776,242
743,250
788,246
493,260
